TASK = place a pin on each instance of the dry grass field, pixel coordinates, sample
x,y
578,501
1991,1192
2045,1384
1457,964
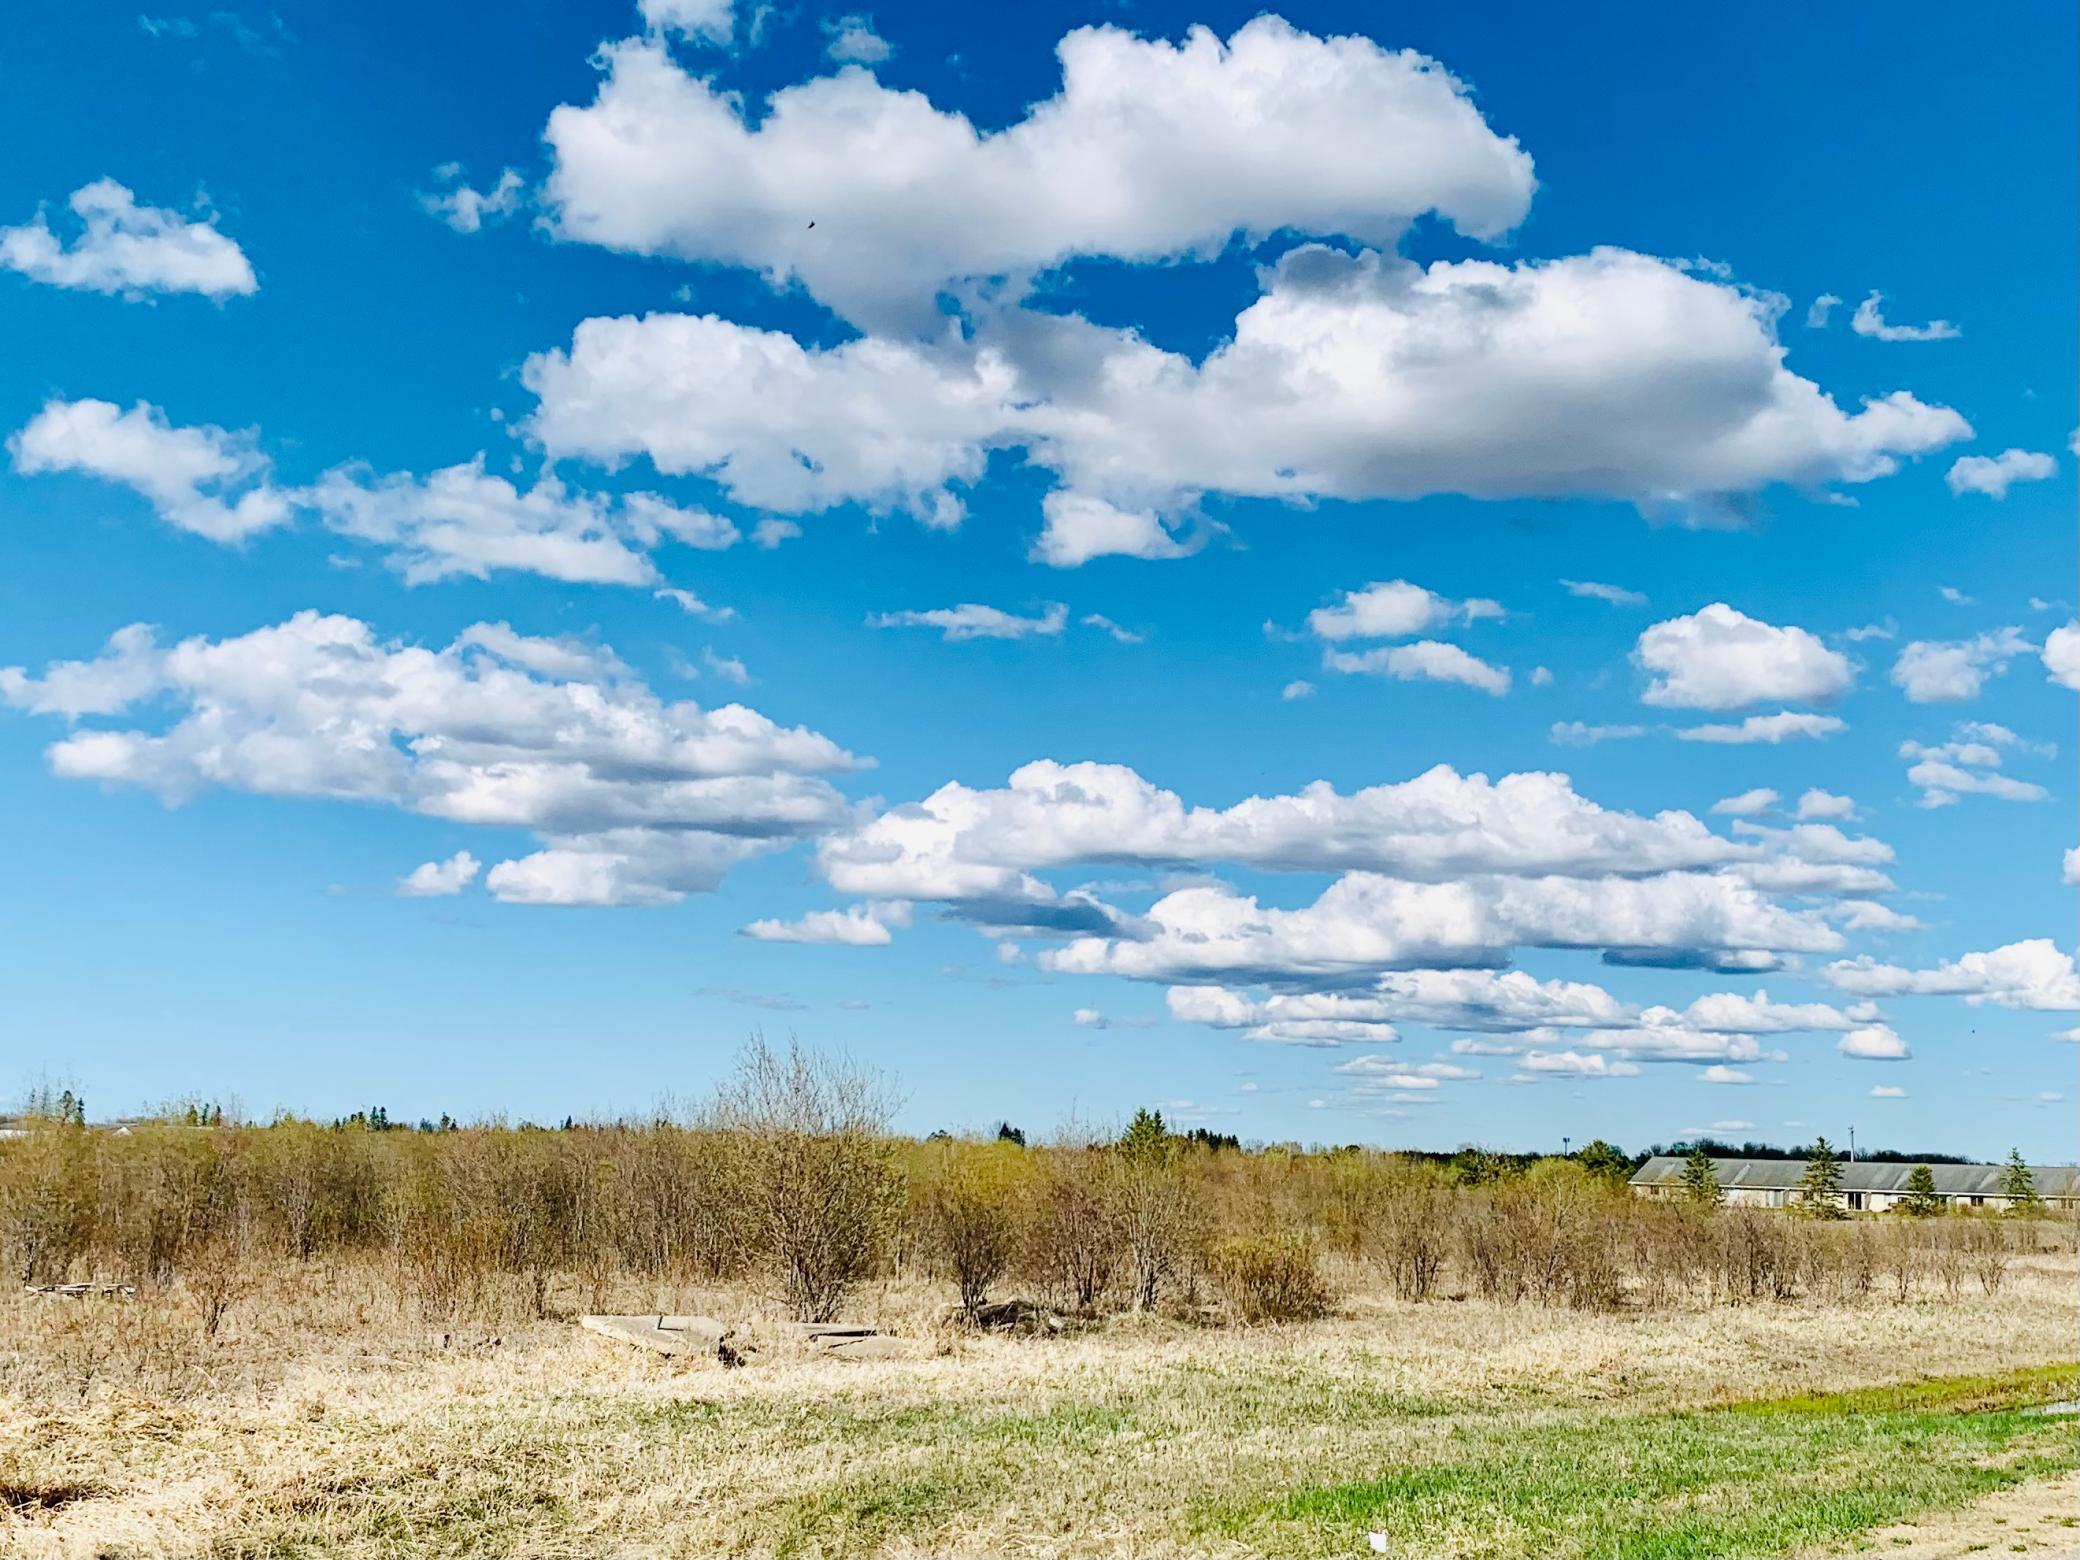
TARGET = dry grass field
x,y
355,1340
323,1417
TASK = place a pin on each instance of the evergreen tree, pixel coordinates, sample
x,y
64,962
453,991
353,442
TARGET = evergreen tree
x,y
1146,1137
1921,1199
1820,1188
1007,1133
2019,1187
1701,1181
1600,1159
1476,1167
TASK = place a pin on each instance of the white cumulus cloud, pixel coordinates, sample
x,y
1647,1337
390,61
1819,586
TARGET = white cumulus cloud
x,y
635,800
1394,609
1427,660
126,248
1150,151
435,879
201,479
2061,655
1720,659
2035,974
1938,671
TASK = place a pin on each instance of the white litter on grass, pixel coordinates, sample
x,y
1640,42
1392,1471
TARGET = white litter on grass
x,y
1378,1541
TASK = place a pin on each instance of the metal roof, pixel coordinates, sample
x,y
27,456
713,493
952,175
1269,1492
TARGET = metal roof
x,y
1863,1175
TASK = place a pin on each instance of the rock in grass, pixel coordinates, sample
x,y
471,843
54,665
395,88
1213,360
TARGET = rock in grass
x,y
664,1333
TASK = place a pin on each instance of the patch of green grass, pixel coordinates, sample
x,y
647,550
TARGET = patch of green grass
x,y
2029,1387
1745,1480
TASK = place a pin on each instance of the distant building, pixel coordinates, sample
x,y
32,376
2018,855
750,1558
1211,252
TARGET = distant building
x,y
1867,1185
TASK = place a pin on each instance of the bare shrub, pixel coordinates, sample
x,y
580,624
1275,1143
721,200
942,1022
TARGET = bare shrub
x,y
1275,1278
1411,1233
1076,1248
1754,1260
815,1169
1948,1238
1161,1213
976,1205
49,1201
1897,1250
1986,1247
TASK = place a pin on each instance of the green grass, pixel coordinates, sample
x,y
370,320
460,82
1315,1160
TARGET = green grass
x,y
1751,1479
1272,1460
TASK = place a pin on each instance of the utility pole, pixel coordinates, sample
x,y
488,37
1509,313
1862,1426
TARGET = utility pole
x,y
1566,1146
1852,1145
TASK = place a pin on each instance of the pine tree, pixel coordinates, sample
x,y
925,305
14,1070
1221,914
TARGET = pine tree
x,y
1921,1200
2019,1187
1820,1188
1146,1137
1701,1181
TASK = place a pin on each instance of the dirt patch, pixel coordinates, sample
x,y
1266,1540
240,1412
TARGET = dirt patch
x,y
2032,1519
31,1495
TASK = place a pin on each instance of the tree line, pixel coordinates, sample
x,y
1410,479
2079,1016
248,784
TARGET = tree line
x,y
789,1178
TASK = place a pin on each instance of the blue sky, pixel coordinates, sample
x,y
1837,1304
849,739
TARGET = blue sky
x,y
513,482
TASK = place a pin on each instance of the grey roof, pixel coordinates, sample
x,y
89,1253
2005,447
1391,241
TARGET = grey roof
x,y
1862,1176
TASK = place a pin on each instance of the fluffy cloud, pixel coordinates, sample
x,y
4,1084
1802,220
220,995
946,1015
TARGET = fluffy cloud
x,y
1150,151
435,879
1931,671
1968,764
2035,974
1814,858
1363,377
1080,528
1874,1043
1816,803
1870,321
1783,726
971,620
1721,659
1427,660
127,670
856,926
634,799
1502,1004
1993,475
882,423
1394,609
202,479
1364,924
464,521
2062,655
457,521
123,247
961,843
